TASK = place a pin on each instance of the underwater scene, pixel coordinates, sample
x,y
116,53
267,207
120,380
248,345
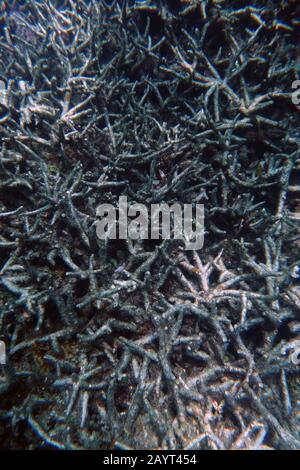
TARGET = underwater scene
x,y
150,224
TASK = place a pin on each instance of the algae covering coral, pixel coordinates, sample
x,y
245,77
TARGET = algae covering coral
x,y
141,344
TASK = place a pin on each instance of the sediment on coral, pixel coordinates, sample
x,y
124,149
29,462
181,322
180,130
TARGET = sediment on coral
x,y
143,344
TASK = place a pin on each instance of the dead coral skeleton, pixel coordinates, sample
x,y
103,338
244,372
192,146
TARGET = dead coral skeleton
x,y
140,344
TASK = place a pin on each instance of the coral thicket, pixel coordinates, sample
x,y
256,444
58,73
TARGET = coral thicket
x,y
143,344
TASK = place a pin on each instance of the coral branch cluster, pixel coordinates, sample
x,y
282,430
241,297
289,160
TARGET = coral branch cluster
x,y
142,344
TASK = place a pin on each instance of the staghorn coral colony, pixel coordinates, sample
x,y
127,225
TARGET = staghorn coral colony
x,y
143,344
